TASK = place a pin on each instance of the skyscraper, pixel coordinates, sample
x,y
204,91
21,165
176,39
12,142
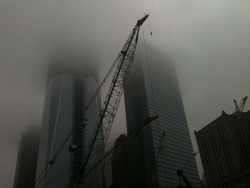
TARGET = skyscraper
x,y
153,89
68,92
27,159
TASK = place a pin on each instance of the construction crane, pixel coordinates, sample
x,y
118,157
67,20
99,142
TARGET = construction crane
x,y
181,175
157,162
240,107
126,139
124,62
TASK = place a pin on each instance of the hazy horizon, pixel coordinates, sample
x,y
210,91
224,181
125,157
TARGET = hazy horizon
x,y
207,40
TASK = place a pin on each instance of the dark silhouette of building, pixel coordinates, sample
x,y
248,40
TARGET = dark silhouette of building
x,y
120,164
27,159
224,149
152,88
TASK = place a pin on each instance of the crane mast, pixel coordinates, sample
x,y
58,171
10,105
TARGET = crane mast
x,y
239,108
124,62
157,162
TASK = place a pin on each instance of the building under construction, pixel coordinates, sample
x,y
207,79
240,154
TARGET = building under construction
x,y
224,149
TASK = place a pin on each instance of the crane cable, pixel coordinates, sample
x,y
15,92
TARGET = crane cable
x,y
150,27
151,86
57,114
40,177
149,72
51,162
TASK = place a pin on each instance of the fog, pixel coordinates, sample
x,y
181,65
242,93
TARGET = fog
x,y
207,40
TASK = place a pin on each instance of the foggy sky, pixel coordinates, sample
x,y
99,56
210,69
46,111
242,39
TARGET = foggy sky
x,y
208,40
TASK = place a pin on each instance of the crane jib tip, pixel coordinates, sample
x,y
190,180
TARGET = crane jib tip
x,y
142,20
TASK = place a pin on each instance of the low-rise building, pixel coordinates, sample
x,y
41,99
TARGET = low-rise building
x,y
224,149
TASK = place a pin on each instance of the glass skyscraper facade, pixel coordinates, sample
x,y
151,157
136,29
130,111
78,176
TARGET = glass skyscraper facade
x,y
65,99
152,88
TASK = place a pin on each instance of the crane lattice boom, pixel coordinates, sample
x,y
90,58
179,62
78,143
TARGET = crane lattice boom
x,y
124,62
126,139
239,108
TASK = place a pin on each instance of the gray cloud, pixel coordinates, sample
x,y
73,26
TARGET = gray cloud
x,y
209,42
